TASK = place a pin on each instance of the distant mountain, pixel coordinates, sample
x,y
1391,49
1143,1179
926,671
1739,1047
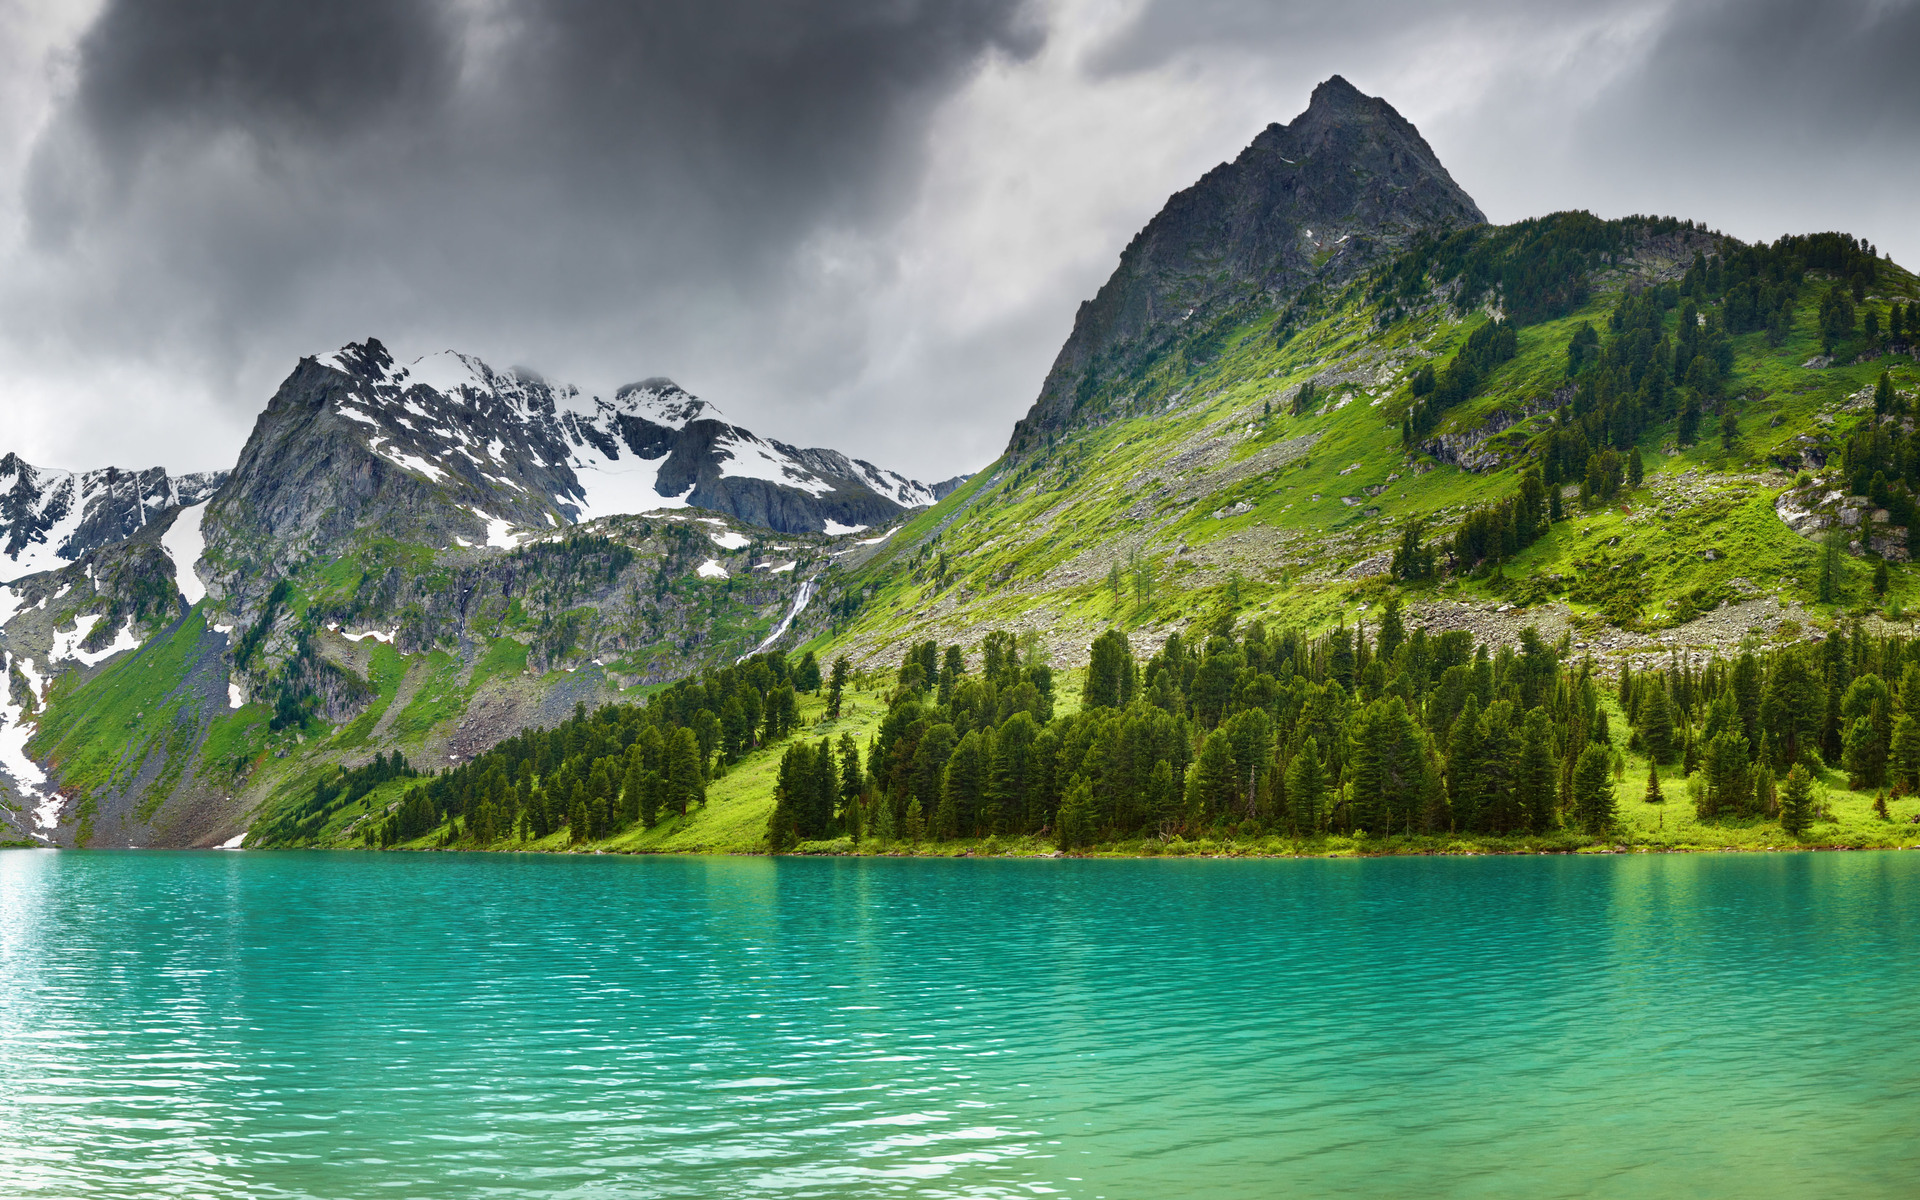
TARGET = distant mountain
x,y
49,518
1315,200
454,509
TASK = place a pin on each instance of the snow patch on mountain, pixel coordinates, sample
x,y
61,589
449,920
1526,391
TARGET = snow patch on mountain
x,y
730,540
67,645
711,569
747,457
184,543
28,779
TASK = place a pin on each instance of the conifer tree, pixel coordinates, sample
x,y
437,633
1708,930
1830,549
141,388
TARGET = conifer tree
x,y
1593,805
1307,788
837,686
916,825
686,785
633,793
1210,785
851,781
1393,630
1906,751
1466,765
1535,771
806,676
1654,794
1076,823
1796,801
1832,587
963,790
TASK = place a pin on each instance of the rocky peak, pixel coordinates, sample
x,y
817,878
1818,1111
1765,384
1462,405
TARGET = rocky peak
x,y
447,451
50,517
1315,199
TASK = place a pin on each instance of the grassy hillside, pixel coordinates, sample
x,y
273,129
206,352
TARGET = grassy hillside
x,y
1202,489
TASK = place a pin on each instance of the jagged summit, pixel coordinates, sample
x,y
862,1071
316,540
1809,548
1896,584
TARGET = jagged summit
x,y
448,450
50,517
1314,199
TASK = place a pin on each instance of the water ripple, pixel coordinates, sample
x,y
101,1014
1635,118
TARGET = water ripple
x,y
307,1025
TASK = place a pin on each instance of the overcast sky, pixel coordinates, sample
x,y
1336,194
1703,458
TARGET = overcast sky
x,y
864,224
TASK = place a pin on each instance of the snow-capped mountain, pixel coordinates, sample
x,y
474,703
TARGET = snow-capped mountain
x,y
49,518
513,443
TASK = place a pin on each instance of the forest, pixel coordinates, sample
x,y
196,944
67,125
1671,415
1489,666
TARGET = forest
x,y
1371,732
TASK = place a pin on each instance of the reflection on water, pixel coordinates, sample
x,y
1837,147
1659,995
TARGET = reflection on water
x,y
458,1025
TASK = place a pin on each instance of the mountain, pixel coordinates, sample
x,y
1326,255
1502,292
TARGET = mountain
x,y
452,449
1311,387
1380,392
49,518
1313,201
391,522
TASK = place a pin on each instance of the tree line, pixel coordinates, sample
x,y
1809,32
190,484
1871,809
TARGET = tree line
x,y
1379,732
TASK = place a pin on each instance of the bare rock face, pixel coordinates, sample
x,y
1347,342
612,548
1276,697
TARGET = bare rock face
x,y
1316,199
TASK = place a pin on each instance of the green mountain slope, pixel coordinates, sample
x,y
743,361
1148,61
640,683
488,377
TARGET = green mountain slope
x,y
1271,468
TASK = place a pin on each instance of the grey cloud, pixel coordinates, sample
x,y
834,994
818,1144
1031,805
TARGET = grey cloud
x,y
756,198
607,189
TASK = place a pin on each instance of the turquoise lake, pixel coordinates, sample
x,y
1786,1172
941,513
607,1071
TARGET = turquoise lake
x,y
441,1025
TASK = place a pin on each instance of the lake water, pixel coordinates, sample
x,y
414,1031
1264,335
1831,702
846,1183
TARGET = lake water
x,y
351,1025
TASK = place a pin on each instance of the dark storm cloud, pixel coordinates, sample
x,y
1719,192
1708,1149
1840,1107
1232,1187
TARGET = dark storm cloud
x,y
300,70
858,223
591,184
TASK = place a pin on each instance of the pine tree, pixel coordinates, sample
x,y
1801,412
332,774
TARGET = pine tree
x,y
633,793
806,676
1306,789
1534,772
837,686
1832,588
1906,751
1076,817
1466,765
1593,805
850,786
1211,789
1796,801
1393,630
686,786
1654,794
1656,720
916,822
